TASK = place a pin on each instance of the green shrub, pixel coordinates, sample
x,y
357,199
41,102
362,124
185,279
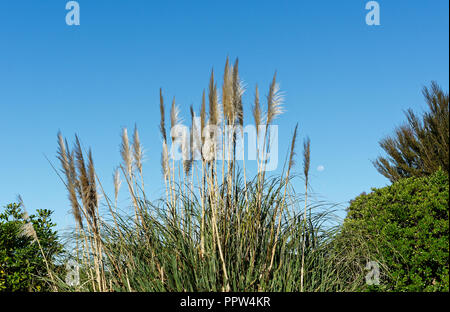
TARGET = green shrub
x,y
22,265
407,226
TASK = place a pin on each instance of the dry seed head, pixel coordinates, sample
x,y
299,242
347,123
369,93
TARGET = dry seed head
x,y
306,158
92,177
74,187
117,183
186,153
292,154
196,140
238,91
257,111
162,125
83,178
92,195
227,94
165,160
274,101
174,117
214,109
125,151
137,150
62,154
27,230
202,117
66,159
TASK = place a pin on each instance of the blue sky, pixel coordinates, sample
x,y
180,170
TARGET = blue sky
x,y
345,83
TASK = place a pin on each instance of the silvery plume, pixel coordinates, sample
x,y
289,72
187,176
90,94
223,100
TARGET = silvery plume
x,y
27,229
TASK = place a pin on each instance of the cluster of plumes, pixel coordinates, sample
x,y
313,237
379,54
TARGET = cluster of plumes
x,y
421,146
229,111
226,109
232,91
131,152
132,155
80,180
274,101
225,210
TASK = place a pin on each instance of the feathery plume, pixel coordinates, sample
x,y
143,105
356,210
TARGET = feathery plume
x,y
274,101
26,229
75,188
117,183
83,178
137,150
257,111
238,91
202,117
174,117
66,160
227,93
165,160
162,125
292,154
187,152
214,115
214,111
125,151
306,158
62,154
93,196
194,136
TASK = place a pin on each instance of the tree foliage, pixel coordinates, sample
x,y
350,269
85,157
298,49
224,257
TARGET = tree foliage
x,y
419,147
22,266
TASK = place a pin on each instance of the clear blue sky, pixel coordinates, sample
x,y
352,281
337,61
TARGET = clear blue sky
x,y
346,83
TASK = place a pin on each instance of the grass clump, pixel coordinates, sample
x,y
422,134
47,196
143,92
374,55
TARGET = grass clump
x,y
216,229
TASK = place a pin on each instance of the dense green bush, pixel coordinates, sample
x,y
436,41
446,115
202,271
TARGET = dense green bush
x,y
22,264
407,226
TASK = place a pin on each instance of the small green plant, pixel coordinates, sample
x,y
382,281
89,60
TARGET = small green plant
x,y
28,245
